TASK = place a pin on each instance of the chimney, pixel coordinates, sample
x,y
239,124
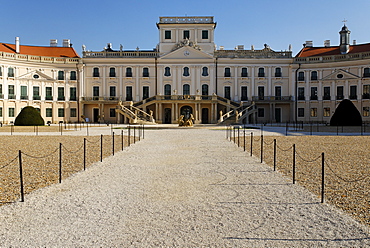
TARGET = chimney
x,y
309,43
17,47
53,43
327,43
66,43
354,42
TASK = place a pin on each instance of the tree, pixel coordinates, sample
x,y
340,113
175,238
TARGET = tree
x,y
29,116
346,114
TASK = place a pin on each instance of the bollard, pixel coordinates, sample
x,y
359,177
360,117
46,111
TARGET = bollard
x,y
251,144
261,148
101,148
21,175
134,135
293,163
122,139
129,136
84,153
244,139
322,177
274,154
238,137
143,131
113,144
60,162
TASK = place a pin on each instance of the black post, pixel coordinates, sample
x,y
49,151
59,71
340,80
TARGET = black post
x,y
134,134
143,131
322,177
122,139
129,135
101,148
227,130
11,129
244,139
113,143
87,129
139,131
311,128
234,135
21,175
286,129
293,163
238,137
274,154
261,148
60,162
84,153
251,144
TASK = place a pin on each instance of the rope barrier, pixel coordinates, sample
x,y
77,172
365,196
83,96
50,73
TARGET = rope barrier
x,y
9,163
79,149
41,156
284,150
267,143
343,179
306,160
93,142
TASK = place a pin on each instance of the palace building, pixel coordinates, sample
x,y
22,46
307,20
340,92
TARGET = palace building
x,y
185,74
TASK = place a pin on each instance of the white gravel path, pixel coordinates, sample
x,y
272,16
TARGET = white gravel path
x,y
178,188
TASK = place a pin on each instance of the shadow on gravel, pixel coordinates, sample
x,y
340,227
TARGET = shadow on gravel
x,y
295,240
272,203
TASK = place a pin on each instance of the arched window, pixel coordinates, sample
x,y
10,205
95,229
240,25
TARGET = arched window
x,y
60,75
278,72
186,89
244,72
261,72
145,72
205,71
112,72
227,72
10,72
167,91
205,90
313,75
167,71
96,72
73,75
366,72
128,72
301,76
186,72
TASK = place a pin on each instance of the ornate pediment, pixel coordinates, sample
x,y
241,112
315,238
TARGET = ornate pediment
x,y
35,75
186,43
187,52
340,75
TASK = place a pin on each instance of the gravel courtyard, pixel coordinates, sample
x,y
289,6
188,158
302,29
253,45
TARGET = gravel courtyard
x,y
178,188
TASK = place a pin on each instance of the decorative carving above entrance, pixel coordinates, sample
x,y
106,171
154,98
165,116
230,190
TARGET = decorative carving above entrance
x,y
188,43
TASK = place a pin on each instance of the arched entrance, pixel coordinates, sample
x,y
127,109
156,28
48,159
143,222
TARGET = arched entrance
x,y
186,111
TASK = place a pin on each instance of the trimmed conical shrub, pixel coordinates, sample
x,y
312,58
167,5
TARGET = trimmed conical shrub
x,y
29,116
346,114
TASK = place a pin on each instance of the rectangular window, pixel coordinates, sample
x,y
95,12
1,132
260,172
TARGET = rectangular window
x,y
261,92
277,72
1,90
48,93
73,75
353,92
60,75
95,91
300,112
326,93
112,91
186,34
128,93
145,72
326,112
227,72
365,111
49,112
112,112
1,72
11,112
1,112
11,92
261,72
227,92
10,72
313,112
301,93
145,92
261,112
73,112
366,92
167,34
244,93
129,72
278,93
73,94
313,93
36,93
60,112
24,95
112,72
340,92
96,72
61,96
244,72
204,34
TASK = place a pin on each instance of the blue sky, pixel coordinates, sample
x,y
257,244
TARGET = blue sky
x,y
132,23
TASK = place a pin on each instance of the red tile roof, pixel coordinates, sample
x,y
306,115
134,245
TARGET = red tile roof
x,y
332,50
66,52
